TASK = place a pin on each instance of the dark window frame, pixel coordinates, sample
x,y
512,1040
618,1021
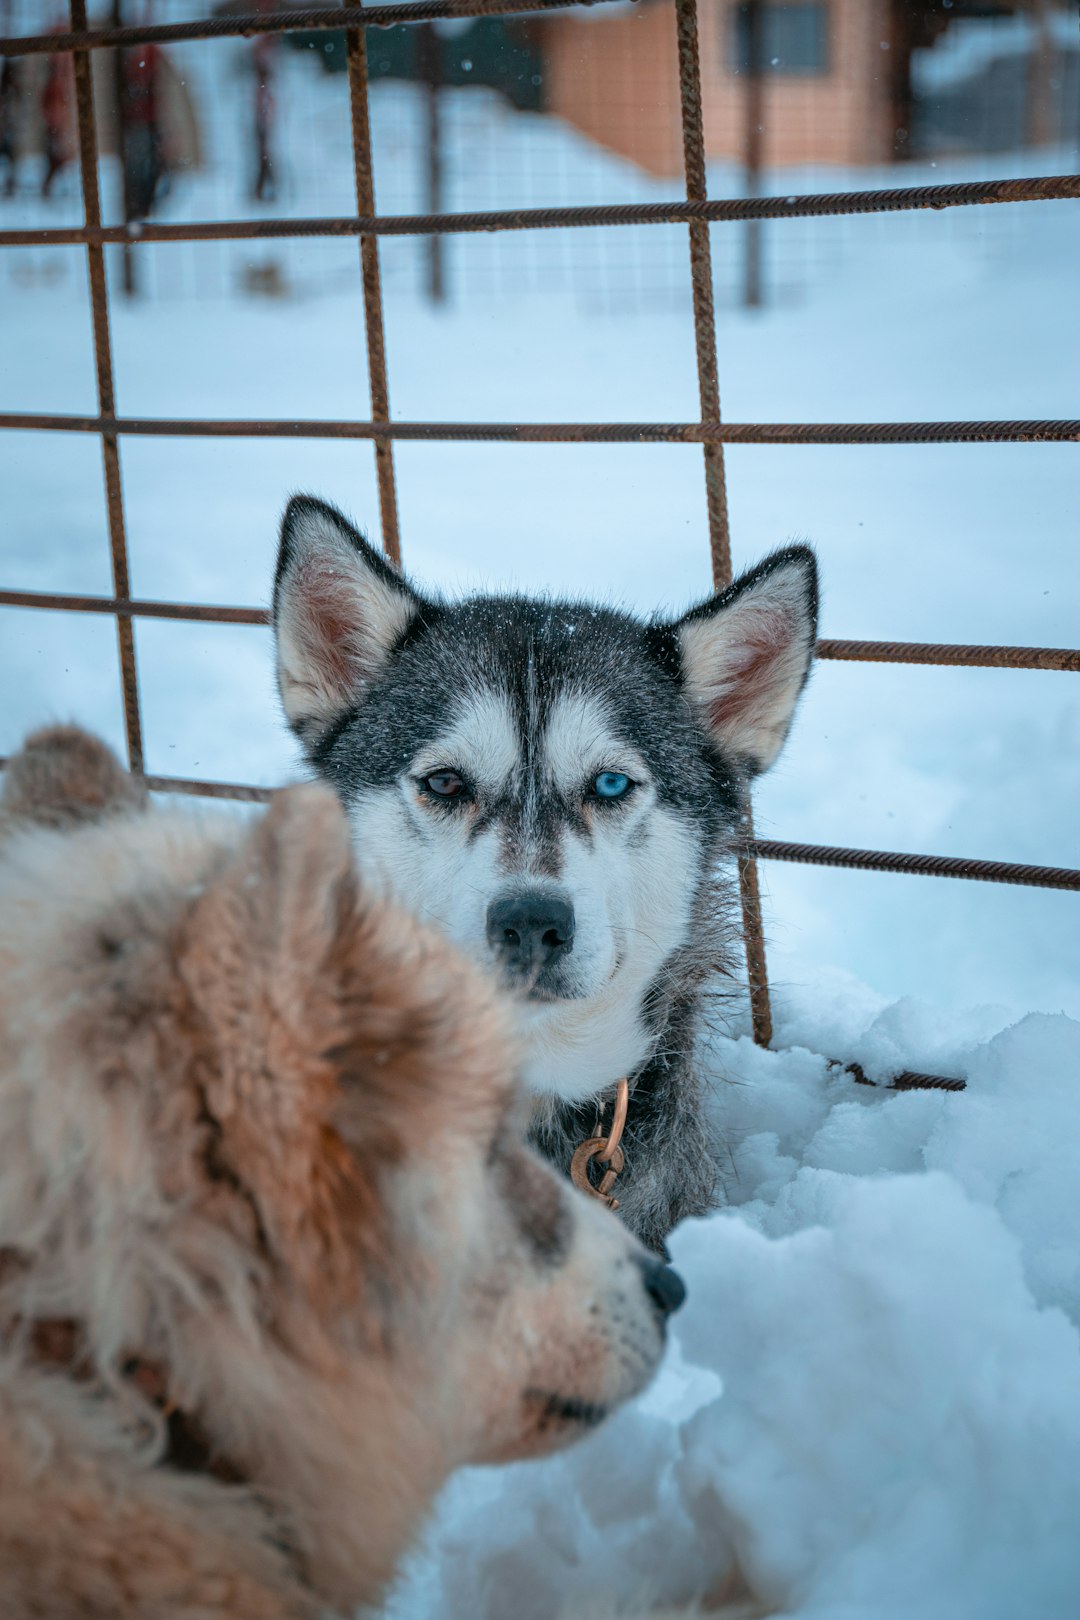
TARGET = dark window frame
x,y
814,62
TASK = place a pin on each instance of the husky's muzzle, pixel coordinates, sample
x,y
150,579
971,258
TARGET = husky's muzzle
x,y
531,933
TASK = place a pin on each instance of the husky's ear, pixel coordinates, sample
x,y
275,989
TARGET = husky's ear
x,y
745,655
338,610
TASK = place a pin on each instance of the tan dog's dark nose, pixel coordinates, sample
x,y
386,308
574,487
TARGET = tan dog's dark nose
x,y
663,1285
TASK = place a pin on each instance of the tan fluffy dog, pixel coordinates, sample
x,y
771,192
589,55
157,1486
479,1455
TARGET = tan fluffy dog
x,y
273,1259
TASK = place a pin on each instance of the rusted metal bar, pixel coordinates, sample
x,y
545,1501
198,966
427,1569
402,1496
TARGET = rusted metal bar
x,y
356,50
1048,431
1066,659
1056,188
913,1080
711,211
906,1080
110,449
949,866
207,790
701,283
192,787
917,652
757,967
294,20
125,608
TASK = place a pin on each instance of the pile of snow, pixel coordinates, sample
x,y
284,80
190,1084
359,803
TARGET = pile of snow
x,y
872,1403
975,43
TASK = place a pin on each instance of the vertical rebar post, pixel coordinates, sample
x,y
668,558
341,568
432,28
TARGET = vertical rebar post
x,y
715,488
356,51
110,449
702,285
753,144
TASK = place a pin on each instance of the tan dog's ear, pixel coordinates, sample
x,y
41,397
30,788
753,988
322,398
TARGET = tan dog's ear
x,y
336,1022
62,776
262,941
261,956
298,872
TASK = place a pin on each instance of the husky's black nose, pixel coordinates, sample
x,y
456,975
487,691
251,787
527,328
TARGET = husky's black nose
x,y
530,931
663,1285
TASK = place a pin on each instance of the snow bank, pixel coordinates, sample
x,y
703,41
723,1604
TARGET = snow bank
x,y
872,1402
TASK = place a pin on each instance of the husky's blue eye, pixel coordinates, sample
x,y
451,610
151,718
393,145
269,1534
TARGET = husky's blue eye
x,y
612,785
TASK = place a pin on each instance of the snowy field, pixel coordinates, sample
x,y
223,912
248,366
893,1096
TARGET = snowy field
x,y
873,1402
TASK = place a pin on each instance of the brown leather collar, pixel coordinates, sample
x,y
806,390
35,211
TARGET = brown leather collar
x,y
57,1342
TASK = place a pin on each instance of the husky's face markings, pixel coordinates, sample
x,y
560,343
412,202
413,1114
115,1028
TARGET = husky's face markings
x,y
522,857
550,782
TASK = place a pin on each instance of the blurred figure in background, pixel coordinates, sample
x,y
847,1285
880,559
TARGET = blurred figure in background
x,y
58,115
263,53
9,110
146,173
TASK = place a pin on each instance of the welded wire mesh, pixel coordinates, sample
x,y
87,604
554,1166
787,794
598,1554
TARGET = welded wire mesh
x,y
695,210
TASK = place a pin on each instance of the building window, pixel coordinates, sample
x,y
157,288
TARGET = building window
x,y
794,37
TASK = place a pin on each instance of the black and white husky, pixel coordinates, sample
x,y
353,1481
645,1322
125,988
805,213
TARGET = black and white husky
x,y
555,784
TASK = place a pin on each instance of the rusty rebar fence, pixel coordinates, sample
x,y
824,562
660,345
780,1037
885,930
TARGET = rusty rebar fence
x,y
696,211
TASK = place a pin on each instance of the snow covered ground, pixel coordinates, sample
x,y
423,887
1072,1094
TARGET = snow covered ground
x,y
873,1404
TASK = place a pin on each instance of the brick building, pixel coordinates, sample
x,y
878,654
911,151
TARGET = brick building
x,y
828,81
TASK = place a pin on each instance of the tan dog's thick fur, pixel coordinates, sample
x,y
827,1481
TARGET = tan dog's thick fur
x,y
257,1131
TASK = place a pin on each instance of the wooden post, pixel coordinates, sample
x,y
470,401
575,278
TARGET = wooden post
x,y
429,67
127,254
1043,126
754,144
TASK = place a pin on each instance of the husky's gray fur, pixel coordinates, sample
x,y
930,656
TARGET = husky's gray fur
x,y
556,784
